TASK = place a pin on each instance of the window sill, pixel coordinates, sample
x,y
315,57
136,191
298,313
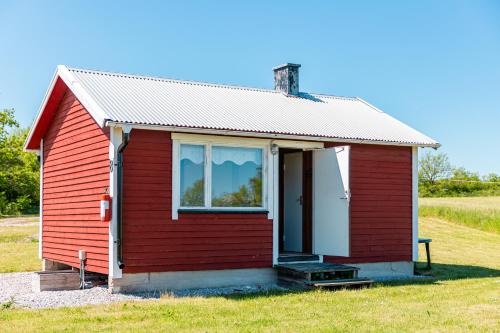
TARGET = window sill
x,y
222,211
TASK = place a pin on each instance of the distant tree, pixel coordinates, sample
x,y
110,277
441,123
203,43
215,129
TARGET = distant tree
x,y
462,174
19,170
492,177
433,167
7,122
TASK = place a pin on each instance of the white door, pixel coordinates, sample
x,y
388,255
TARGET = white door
x,y
293,202
331,197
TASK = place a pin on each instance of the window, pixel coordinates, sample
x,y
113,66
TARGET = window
x,y
236,177
220,176
192,176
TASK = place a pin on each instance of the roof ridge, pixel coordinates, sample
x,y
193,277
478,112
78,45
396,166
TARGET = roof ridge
x,y
350,98
198,83
164,79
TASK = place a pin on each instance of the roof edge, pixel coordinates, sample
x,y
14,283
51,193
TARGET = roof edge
x,y
436,144
40,111
81,94
111,123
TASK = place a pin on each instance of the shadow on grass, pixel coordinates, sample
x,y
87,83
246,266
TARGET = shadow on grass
x,y
445,272
440,272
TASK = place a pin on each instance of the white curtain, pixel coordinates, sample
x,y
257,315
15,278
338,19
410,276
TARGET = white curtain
x,y
236,155
194,153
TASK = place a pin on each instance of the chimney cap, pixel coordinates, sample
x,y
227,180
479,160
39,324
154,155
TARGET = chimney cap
x,y
288,64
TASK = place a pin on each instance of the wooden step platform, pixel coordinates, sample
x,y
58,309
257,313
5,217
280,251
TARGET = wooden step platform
x,y
284,258
342,283
316,275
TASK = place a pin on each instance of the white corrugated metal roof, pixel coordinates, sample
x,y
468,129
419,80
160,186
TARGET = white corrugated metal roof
x,y
156,101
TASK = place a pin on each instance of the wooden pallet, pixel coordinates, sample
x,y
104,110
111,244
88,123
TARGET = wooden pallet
x,y
317,275
56,280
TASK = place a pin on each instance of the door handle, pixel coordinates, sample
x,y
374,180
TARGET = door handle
x,y
347,196
301,200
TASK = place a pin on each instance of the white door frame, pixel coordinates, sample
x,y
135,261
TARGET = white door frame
x,y
274,165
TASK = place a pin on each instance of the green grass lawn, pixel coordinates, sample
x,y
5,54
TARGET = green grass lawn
x,y
482,213
19,245
463,296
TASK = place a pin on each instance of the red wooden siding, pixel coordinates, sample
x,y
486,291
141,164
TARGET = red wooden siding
x,y
381,204
75,174
153,242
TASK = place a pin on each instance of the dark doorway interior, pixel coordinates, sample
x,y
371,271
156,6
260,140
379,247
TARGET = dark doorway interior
x,y
306,199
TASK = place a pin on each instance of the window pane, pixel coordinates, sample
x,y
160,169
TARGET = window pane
x,y
236,177
192,176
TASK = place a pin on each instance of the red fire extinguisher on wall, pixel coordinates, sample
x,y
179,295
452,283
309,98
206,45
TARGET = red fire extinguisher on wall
x,y
105,207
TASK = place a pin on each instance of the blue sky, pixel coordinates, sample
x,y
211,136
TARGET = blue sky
x,y
435,65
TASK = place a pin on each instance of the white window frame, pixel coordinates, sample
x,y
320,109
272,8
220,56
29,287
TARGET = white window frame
x,y
208,142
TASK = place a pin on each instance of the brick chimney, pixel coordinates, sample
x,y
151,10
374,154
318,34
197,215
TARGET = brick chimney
x,y
286,79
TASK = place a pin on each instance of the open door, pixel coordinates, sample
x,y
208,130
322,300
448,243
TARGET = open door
x,y
331,196
293,202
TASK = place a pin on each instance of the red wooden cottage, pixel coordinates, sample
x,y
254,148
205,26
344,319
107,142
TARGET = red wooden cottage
x,y
215,185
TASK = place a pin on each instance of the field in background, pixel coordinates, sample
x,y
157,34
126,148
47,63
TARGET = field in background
x,y
482,213
463,296
19,244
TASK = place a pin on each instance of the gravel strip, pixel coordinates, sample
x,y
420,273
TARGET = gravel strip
x,y
54,299
207,292
17,288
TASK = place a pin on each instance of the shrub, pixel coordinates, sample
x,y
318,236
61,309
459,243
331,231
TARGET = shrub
x,y
458,188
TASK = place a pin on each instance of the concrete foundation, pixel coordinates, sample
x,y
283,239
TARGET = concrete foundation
x,y
396,269
192,279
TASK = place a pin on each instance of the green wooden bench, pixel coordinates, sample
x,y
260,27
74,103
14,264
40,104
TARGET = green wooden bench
x,y
426,241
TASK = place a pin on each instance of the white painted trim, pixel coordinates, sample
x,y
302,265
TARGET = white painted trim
x,y
414,171
115,136
275,200
176,201
208,175
87,101
285,137
269,192
83,96
40,231
250,141
208,141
